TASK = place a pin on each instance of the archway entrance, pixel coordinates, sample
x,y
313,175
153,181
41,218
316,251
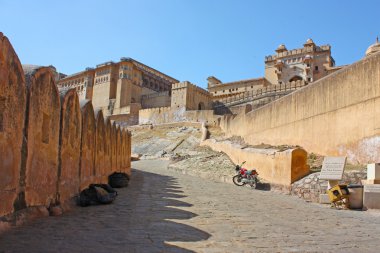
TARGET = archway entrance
x,y
295,78
201,106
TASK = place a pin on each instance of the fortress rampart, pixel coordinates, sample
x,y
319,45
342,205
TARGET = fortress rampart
x,y
51,144
170,115
336,115
297,52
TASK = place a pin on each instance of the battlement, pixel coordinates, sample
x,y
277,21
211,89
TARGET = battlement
x,y
108,63
189,85
155,110
154,95
181,85
297,51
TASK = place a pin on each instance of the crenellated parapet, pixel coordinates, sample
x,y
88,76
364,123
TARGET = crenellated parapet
x,y
298,51
309,63
52,144
189,96
154,95
154,110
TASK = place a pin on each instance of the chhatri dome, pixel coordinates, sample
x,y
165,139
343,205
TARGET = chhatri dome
x,y
309,42
281,48
374,48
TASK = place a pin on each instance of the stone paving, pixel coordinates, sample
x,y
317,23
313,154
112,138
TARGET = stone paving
x,y
164,211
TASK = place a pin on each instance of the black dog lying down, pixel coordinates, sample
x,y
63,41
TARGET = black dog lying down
x,y
97,194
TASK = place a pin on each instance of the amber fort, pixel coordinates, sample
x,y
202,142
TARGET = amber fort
x,y
63,133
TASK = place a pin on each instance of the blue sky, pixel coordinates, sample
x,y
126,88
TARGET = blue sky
x,y
188,40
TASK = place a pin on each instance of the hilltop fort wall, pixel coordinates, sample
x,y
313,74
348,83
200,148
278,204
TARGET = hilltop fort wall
x,y
160,99
164,115
191,97
336,115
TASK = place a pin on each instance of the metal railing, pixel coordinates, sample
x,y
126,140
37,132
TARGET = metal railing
x,y
250,96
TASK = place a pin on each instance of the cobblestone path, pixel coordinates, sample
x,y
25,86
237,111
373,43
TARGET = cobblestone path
x,y
163,211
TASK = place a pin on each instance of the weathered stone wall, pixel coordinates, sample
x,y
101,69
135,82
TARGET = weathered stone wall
x,y
336,115
126,154
129,153
159,99
118,149
43,126
113,147
128,115
70,145
123,149
87,166
278,167
168,115
189,96
155,115
51,146
12,117
108,150
99,147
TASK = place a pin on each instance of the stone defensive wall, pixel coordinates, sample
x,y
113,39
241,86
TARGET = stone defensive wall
x,y
296,52
159,99
155,115
249,96
165,115
191,86
336,115
280,168
127,115
52,145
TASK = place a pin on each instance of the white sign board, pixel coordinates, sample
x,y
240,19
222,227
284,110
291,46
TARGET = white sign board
x,y
332,168
372,188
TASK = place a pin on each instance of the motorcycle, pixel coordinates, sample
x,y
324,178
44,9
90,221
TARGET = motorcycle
x,y
245,176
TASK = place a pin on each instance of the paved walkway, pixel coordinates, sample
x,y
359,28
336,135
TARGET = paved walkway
x,y
163,211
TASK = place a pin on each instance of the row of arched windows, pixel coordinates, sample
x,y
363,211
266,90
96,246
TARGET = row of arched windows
x,y
101,80
72,82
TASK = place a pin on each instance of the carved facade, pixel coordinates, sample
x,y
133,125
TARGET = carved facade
x,y
191,97
306,65
117,88
123,89
309,63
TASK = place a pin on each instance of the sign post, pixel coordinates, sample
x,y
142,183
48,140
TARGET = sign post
x,y
332,170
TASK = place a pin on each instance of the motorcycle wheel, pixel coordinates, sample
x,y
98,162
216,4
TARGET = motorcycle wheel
x,y
253,183
237,180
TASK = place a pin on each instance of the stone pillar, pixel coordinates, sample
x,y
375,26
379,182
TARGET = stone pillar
x,y
12,118
129,151
69,146
108,150
118,149
122,149
87,144
99,144
43,126
113,148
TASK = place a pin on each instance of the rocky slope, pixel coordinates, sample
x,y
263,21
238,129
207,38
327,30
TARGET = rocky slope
x,y
179,143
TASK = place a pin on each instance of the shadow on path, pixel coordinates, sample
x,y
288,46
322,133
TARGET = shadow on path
x,y
138,221
263,186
